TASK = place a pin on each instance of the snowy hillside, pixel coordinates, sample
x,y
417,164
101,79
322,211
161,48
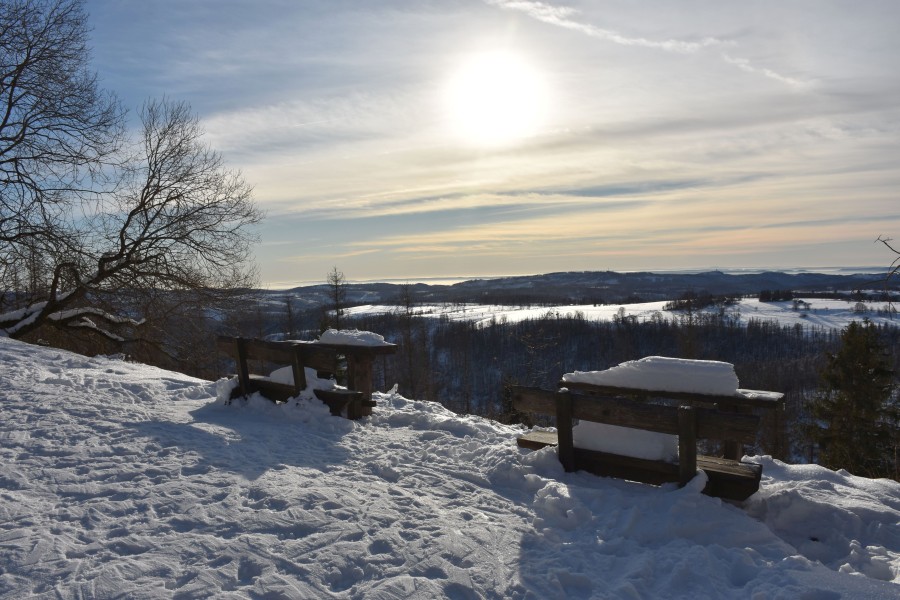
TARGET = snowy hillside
x,y
809,312
120,480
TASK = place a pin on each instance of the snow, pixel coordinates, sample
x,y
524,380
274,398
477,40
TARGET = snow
x,y
351,337
119,480
285,375
625,441
821,312
662,373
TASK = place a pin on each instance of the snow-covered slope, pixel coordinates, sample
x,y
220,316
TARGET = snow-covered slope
x,y
809,312
120,480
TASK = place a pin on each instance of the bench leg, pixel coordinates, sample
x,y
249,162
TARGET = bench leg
x,y
240,351
564,431
687,444
734,450
354,409
359,378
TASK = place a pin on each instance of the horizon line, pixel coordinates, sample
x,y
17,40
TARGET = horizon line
x,y
451,279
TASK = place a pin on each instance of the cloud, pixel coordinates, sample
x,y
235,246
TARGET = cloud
x,y
561,17
745,65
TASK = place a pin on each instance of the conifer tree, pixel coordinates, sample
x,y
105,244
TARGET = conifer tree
x,y
856,417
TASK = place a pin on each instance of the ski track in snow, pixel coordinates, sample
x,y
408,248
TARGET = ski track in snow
x,y
125,481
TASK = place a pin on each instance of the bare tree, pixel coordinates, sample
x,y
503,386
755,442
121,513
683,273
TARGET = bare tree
x,y
57,127
177,221
413,344
337,289
290,319
894,268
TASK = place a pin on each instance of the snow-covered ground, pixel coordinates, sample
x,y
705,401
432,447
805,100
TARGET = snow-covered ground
x,y
814,312
119,480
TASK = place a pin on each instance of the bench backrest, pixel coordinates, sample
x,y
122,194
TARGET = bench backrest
x,y
710,423
687,422
296,354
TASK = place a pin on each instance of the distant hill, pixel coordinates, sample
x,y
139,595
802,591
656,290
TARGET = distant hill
x,y
589,287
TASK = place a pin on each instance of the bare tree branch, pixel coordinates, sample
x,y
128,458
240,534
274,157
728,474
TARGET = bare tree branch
x,y
57,127
180,222
99,230
895,264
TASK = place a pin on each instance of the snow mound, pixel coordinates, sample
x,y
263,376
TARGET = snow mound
x,y
351,337
847,523
662,373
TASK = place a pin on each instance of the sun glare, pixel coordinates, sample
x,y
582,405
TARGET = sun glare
x,y
495,98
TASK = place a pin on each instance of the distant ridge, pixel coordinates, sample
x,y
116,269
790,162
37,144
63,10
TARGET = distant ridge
x,y
602,286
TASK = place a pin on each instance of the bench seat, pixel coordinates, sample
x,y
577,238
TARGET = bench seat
x,y
336,399
730,479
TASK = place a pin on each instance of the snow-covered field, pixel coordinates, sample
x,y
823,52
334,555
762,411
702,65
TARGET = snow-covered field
x,y
119,480
815,312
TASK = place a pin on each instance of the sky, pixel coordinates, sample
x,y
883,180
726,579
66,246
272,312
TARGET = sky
x,y
405,140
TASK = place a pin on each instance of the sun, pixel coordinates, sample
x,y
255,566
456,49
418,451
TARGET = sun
x,y
495,98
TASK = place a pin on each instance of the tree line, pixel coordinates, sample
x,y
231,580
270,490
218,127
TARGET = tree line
x,y
467,366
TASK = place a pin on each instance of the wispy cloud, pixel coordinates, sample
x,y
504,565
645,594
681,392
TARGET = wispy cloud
x,y
565,17
562,16
745,65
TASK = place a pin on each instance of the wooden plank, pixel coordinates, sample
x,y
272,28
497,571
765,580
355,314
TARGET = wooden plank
x,y
625,412
273,390
533,400
710,423
734,467
314,356
606,464
730,479
298,369
357,350
753,398
535,440
687,444
727,478
718,425
733,448
541,439
359,377
564,431
225,344
337,400
240,353
320,359
276,352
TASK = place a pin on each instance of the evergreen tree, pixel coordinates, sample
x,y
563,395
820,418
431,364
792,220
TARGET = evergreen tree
x,y
856,418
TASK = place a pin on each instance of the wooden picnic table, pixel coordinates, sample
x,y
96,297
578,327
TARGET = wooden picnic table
x,y
693,417
321,356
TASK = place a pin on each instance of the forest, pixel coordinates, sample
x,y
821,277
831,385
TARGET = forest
x,y
467,366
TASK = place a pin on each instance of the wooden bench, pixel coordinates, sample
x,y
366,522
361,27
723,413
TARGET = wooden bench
x,y
728,477
299,355
742,401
